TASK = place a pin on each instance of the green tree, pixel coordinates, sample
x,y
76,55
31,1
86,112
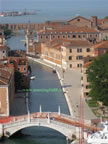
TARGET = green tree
x,y
97,74
7,32
106,17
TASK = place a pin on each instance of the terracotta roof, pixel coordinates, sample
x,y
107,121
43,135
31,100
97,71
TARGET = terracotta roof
x,y
77,17
87,64
69,29
5,74
3,47
78,43
56,44
100,21
103,44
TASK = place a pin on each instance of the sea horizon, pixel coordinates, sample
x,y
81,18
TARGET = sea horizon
x,y
52,10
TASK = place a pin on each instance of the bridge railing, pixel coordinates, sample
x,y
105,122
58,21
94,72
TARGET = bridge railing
x,y
38,122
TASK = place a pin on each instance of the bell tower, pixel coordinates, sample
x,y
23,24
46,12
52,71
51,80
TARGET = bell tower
x,y
30,49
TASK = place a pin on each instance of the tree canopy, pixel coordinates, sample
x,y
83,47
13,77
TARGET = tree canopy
x,y
106,17
97,74
7,32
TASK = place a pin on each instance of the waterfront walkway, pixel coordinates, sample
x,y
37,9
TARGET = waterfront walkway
x,y
71,84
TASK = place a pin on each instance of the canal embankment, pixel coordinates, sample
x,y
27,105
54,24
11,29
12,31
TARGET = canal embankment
x,y
71,86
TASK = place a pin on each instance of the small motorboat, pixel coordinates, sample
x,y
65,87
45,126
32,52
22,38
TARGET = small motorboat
x,y
32,77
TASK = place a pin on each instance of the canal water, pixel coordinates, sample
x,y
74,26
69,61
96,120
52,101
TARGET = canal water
x,y
49,101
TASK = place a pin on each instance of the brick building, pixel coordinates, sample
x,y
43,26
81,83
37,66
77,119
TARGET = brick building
x,y
20,64
100,48
74,51
7,90
67,53
51,51
70,33
80,21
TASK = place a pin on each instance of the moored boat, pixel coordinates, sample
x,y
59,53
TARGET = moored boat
x,y
100,137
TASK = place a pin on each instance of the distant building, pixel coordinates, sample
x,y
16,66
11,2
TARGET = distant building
x,y
7,90
3,51
68,32
2,38
80,21
30,49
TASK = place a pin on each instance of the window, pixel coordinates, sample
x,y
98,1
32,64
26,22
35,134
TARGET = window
x,y
87,93
41,37
58,36
68,36
24,69
78,20
88,49
18,69
70,50
79,57
74,36
83,36
78,65
3,51
63,36
70,65
79,36
90,35
53,36
11,62
79,49
70,57
46,37
87,86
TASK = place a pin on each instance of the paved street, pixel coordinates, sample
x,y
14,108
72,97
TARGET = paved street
x,y
72,83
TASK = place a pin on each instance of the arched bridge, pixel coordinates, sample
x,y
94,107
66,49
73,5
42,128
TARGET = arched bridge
x,y
62,123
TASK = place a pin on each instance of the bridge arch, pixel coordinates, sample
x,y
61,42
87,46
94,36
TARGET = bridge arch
x,y
66,131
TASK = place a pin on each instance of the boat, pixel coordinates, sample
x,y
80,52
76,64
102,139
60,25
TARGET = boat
x,y
32,77
100,137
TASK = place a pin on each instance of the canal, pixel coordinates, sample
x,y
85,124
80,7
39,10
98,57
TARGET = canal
x,y
49,101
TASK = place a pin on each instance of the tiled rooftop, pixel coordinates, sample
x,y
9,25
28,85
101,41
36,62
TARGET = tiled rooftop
x,y
5,74
103,44
78,43
69,29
